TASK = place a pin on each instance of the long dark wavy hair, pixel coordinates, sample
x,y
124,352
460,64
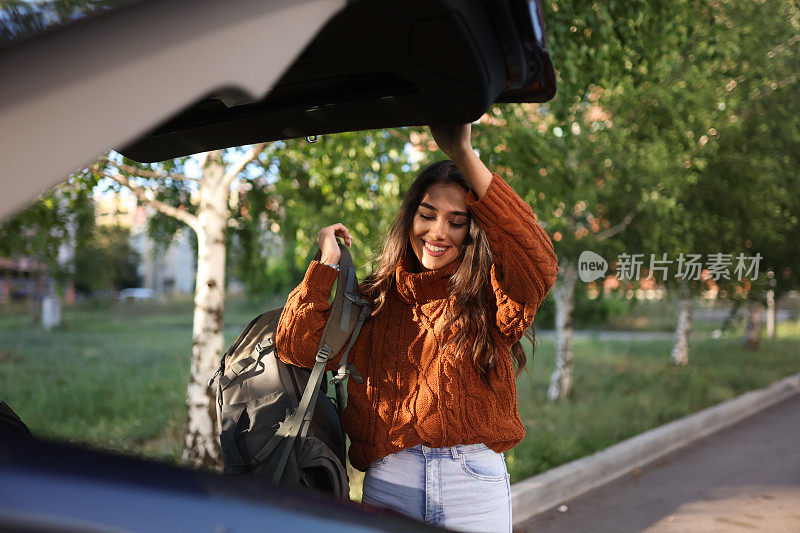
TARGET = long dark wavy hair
x,y
472,314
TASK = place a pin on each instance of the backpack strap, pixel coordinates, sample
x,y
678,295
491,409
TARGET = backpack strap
x,y
350,320
344,366
234,346
346,307
297,423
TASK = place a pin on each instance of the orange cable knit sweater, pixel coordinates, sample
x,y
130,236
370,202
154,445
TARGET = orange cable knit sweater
x,y
413,393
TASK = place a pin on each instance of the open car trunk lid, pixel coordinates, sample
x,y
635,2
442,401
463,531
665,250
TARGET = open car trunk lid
x,y
377,64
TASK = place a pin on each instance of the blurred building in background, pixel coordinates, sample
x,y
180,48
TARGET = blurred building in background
x,y
21,279
166,270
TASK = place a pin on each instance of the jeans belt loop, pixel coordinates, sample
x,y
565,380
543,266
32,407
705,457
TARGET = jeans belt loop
x,y
454,453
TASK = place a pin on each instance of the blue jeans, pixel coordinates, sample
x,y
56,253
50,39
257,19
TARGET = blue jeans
x,y
464,487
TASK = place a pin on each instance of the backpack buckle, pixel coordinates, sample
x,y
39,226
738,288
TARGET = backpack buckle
x,y
260,348
324,354
344,370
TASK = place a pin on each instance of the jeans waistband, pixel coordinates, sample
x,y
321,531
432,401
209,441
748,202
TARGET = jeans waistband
x,y
454,451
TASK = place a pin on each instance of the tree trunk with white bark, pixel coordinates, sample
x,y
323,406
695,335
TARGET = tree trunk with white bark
x,y
680,350
201,445
752,329
201,442
771,314
564,294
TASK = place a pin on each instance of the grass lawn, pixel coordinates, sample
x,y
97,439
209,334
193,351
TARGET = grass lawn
x,y
114,376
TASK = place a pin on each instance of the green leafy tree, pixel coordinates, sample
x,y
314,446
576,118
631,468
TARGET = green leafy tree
x,y
594,159
51,228
735,192
106,261
624,150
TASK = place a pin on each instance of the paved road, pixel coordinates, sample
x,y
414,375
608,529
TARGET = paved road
x,y
743,478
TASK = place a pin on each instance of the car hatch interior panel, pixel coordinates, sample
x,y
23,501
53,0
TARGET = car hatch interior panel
x,y
377,64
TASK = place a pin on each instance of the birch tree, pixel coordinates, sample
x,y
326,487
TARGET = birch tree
x,y
208,217
751,181
289,188
730,129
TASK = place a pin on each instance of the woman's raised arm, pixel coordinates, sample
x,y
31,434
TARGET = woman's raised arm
x,y
525,264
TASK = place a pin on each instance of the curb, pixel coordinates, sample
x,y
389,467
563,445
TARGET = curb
x,y
539,493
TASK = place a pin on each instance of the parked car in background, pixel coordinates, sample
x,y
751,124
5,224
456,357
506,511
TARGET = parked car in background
x,y
137,293
164,79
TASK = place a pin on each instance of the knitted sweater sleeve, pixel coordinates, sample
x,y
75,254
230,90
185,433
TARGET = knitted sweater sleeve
x,y
304,317
525,264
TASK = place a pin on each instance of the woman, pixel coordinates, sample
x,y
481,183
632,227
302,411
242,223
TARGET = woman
x,y
461,274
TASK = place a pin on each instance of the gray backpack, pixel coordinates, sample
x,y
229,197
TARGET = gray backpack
x,y
274,424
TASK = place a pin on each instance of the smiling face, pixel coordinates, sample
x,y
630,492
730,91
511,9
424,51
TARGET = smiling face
x,y
440,226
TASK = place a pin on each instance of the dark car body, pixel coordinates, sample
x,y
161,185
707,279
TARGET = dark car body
x,y
55,487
